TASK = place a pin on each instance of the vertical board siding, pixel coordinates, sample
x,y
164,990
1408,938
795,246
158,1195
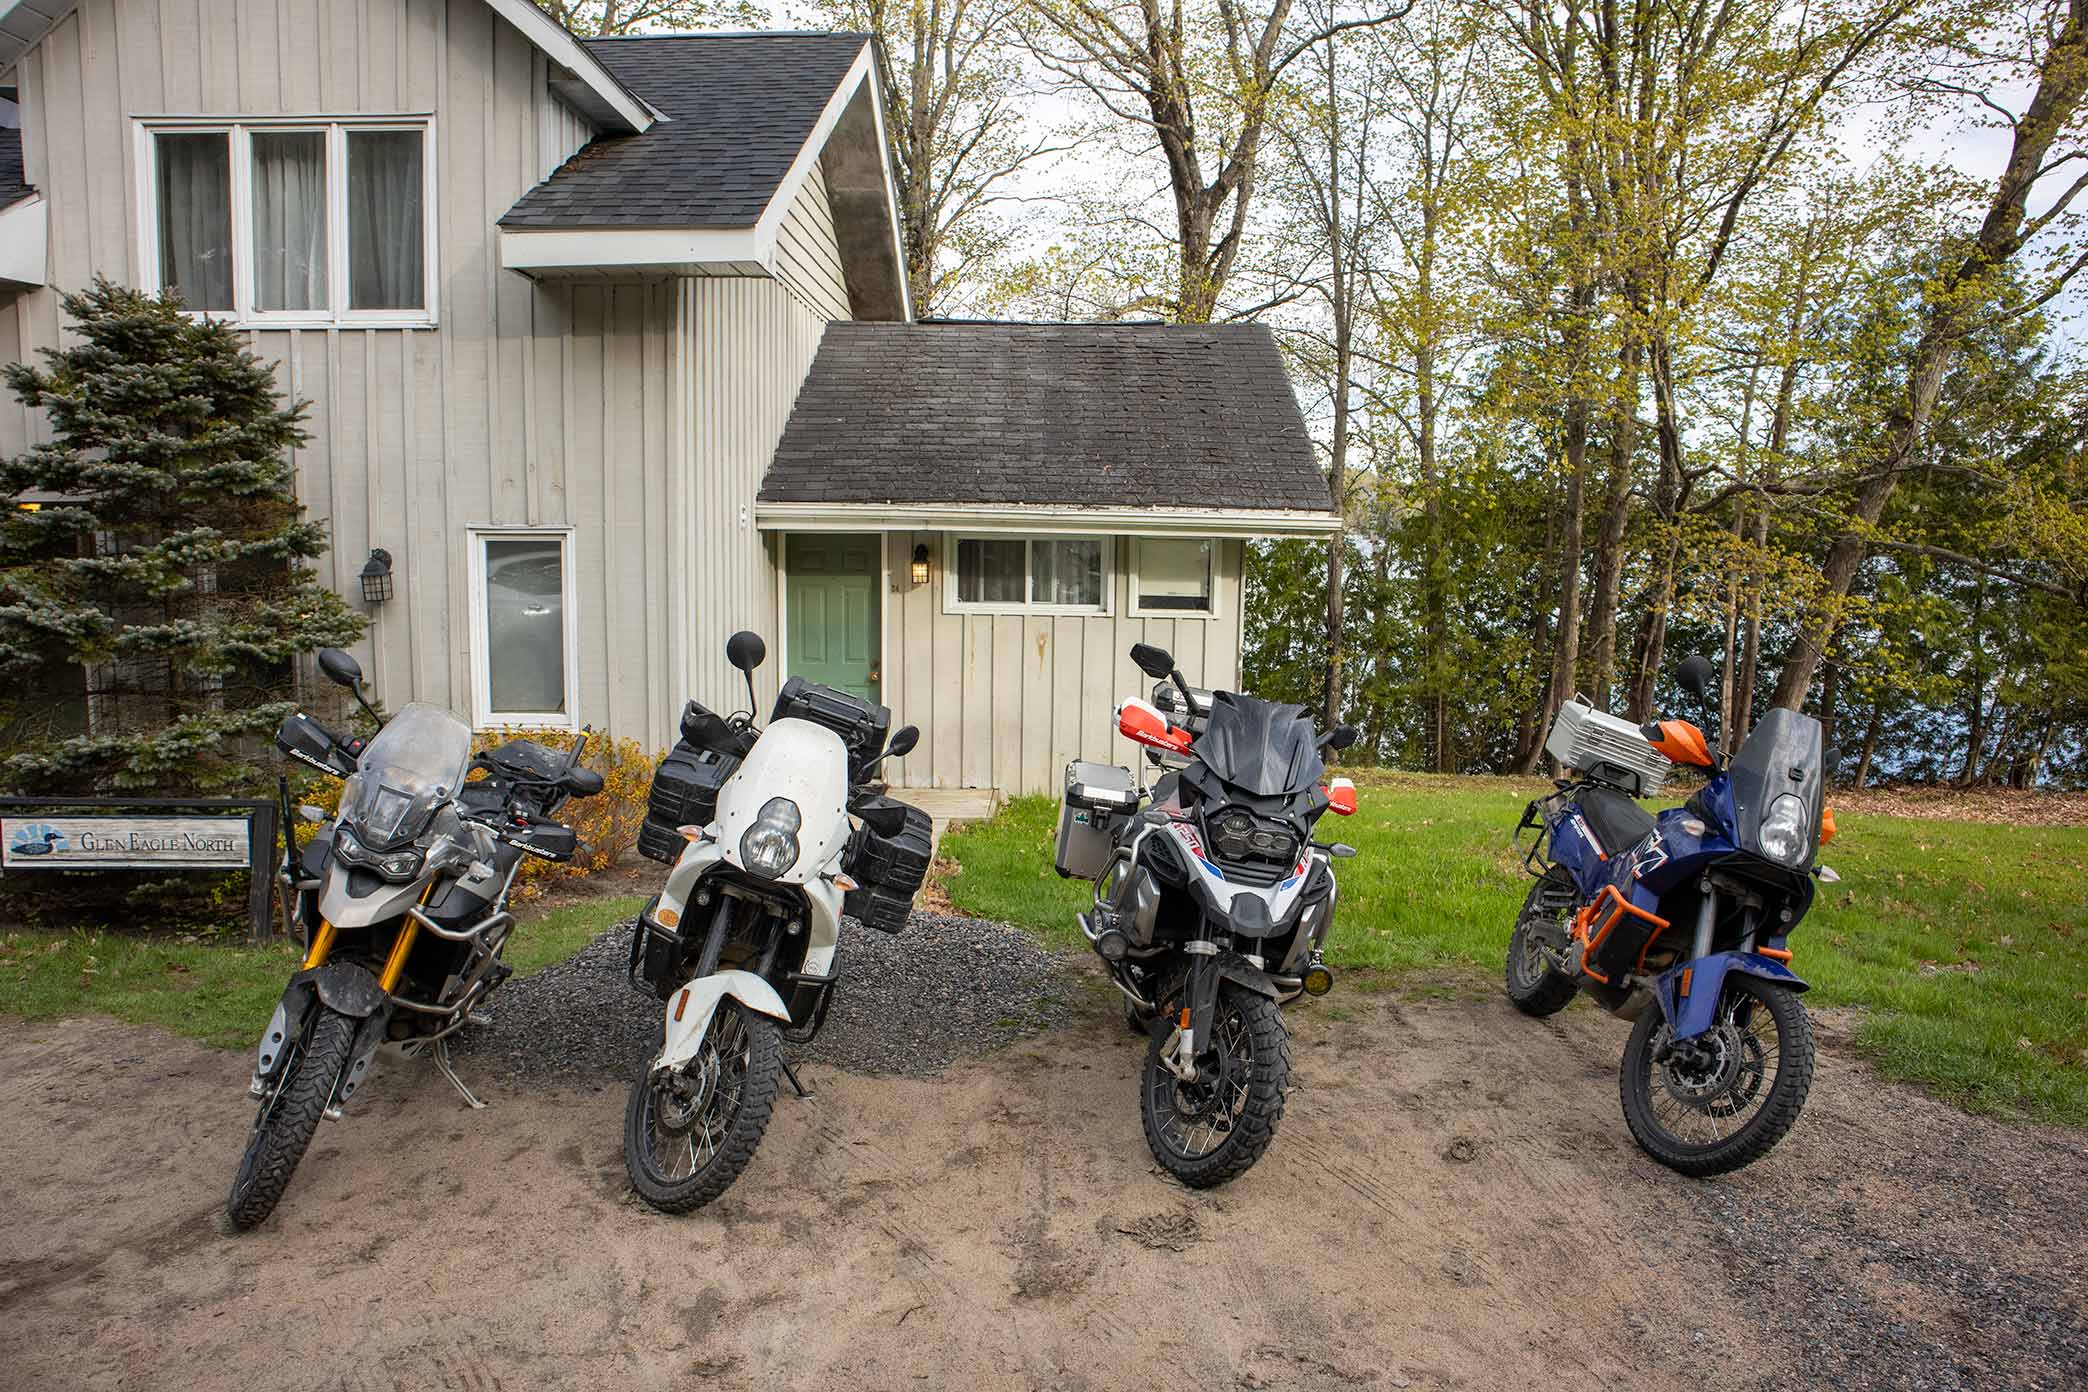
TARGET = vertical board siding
x,y
1005,700
750,344
808,256
530,405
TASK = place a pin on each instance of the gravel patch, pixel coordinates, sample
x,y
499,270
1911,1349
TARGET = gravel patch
x,y
1918,1248
911,1004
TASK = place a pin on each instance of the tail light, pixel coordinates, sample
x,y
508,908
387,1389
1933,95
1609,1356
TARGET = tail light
x,y
1341,797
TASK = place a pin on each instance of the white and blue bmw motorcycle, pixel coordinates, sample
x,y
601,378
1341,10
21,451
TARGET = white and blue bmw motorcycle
x,y
1212,903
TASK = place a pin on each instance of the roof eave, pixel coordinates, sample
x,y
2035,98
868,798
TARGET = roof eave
x,y
588,87
1040,519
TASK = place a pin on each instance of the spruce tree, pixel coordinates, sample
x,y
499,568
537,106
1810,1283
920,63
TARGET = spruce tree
x,y
156,589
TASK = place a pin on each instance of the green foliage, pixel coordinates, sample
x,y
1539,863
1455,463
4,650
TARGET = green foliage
x,y
1964,946
156,590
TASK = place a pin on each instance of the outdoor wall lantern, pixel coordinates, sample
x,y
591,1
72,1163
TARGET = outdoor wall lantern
x,y
920,564
376,577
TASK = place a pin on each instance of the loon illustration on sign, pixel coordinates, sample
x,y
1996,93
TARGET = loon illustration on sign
x,y
35,839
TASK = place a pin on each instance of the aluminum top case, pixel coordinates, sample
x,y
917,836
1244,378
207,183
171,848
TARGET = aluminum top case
x,y
1606,748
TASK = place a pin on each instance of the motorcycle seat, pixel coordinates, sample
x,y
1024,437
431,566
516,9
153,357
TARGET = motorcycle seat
x,y
1619,822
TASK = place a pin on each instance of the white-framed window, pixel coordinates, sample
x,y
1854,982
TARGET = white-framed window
x,y
1174,577
1000,574
524,659
291,222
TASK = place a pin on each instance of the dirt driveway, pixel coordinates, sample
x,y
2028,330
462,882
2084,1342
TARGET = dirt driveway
x,y
1430,1217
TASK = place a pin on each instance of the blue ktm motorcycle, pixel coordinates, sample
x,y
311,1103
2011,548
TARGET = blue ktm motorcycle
x,y
1681,923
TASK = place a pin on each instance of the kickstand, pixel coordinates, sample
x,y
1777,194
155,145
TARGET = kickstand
x,y
440,1053
791,1073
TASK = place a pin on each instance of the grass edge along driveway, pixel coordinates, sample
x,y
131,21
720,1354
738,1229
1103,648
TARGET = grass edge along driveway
x,y
220,991
1964,944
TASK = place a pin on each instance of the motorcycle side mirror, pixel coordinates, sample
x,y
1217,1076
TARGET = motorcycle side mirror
x,y
340,668
1156,663
1340,737
903,742
1830,757
311,813
1341,851
1694,676
746,651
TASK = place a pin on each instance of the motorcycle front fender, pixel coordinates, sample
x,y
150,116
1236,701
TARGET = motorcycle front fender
x,y
1232,967
343,986
690,1009
1690,1015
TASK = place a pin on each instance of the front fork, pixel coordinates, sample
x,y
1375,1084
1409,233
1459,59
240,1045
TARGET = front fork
x,y
1198,1004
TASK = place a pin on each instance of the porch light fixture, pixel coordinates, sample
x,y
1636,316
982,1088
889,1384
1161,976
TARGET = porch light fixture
x,y
376,577
920,564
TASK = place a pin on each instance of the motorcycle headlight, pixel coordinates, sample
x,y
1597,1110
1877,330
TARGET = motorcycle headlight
x,y
395,866
1786,831
770,846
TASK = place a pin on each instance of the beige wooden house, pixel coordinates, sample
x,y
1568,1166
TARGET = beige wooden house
x,y
609,354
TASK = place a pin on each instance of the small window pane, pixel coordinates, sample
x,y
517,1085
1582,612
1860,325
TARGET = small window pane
x,y
195,217
1175,575
1069,572
525,625
290,220
386,220
989,571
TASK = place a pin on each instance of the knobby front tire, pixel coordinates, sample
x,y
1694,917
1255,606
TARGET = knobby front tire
x,y
284,1126
1645,1092
1255,1094
755,1047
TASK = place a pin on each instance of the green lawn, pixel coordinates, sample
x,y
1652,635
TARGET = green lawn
x,y
219,991
1966,943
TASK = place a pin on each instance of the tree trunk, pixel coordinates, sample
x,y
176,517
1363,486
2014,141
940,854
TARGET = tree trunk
x,y
1870,742
1609,546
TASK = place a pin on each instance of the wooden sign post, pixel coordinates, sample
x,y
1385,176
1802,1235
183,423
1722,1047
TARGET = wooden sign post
x,y
144,834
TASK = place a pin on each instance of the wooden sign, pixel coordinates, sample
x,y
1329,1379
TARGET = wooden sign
x,y
59,842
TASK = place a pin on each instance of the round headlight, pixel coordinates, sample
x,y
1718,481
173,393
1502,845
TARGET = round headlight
x,y
770,846
1787,831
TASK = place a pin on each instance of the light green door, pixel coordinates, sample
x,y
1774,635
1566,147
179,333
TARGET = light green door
x,y
832,624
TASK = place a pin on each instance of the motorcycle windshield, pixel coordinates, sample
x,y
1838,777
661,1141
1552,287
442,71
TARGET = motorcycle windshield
x,y
1782,757
1259,747
414,765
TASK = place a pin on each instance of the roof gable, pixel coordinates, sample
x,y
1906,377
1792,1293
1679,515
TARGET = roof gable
x,y
1055,415
740,109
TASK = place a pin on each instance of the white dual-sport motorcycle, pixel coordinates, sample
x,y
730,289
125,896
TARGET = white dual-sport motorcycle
x,y
740,944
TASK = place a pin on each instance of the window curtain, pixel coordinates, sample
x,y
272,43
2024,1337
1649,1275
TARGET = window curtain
x,y
1069,573
195,218
290,220
989,571
386,220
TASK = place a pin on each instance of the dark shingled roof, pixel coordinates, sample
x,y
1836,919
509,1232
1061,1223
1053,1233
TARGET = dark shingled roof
x,y
13,186
740,107
1150,415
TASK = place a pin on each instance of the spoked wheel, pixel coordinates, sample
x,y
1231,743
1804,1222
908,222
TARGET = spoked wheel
x,y
1209,1131
1535,986
288,1117
1721,1100
689,1131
